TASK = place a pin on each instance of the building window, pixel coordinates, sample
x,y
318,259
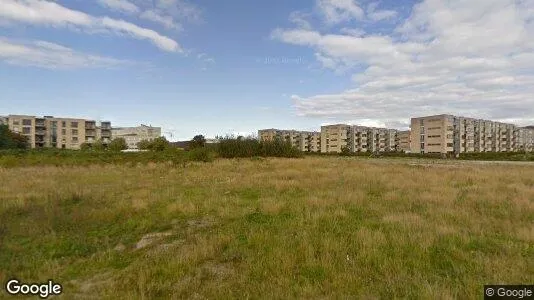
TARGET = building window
x,y
73,124
26,130
74,139
63,131
63,124
449,144
16,122
74,131
27,122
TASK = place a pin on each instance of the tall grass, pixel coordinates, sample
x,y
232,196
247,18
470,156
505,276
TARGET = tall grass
x,y
319,227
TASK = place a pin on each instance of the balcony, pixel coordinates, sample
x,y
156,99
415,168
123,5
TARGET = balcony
x,y
90,125
40,132
105,125
90,132
106,134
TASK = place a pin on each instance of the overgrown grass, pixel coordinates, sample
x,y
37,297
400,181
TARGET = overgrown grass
x,y
319,227
58,157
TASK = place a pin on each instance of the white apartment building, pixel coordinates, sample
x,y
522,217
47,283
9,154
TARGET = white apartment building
x,y
133,135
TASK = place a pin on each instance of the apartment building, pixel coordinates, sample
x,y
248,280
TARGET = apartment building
x,y
453,134
404,141
133,135
525,137
334,138
308,141
64,133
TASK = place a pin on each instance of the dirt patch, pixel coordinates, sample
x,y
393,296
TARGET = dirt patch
x,y
201,223
151,238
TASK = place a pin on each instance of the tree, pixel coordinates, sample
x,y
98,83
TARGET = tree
x,y
345,150
98,146
118,144
144,145
159,144
12,140
85,147
198,141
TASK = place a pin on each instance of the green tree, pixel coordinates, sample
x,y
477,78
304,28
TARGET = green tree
x,y
198,141
98,146
12,140
85,147
118,144
159,144
144,145
345,151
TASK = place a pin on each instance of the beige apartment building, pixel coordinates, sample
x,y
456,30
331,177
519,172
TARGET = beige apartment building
x,y
133,135
452,134
334,138
308,141
404,141
63,133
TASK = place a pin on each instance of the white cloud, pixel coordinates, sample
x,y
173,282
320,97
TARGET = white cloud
x,y
156,17
339,11
357,32
466,57
51,56
300,19
378,15
124,6
39,12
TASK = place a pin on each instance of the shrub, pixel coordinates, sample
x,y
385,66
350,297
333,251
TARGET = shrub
x,y
230,147
118,144
201,154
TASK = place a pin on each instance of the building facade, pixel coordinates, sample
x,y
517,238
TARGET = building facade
x,y
448,134
404,141
308,141
63,133
335,138
133,135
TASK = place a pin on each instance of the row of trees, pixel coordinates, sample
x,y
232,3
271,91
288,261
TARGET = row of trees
x,y
11,140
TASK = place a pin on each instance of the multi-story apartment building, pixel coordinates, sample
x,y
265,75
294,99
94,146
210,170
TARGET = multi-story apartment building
x,y
525,137
133,135
452,134
404,141
65,133
334,138
308,141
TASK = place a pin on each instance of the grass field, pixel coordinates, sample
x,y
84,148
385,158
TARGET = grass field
x,y
318,227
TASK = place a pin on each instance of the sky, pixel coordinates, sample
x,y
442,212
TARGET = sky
x,y
233,67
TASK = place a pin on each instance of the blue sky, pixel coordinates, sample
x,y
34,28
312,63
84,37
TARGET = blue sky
x,y
217,67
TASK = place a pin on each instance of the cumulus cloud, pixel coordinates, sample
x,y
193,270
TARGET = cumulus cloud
x,y
52,56
466,57
39,12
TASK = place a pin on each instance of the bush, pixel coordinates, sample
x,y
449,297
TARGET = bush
x,y
12,140
157,144
201,154
230,147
